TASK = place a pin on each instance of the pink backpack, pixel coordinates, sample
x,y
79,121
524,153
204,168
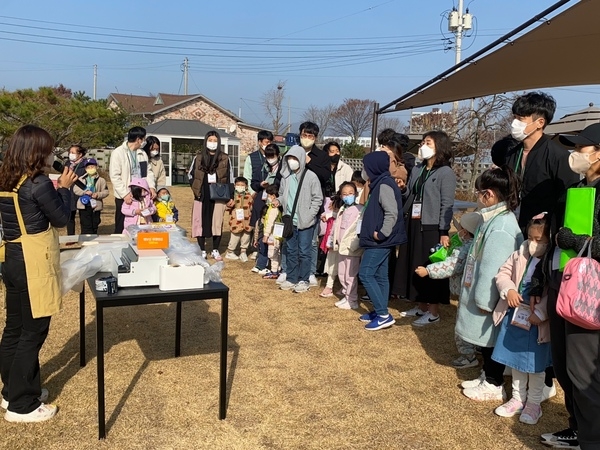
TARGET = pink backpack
x,y
579,295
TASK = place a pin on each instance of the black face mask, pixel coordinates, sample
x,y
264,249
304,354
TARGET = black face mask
x,y
335,159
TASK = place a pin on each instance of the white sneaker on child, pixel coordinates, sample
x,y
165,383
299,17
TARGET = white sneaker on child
x,y
531,414
282,277
216,255
473,383
510,408
232,256
312,280
243,257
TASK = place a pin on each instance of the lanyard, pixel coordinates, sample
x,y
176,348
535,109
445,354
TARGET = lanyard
x,y
416,188
524,274
518,165
480,241
132,155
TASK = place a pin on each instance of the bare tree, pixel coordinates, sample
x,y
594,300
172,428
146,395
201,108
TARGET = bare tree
x,y
320,116
385,121
353,117
272,101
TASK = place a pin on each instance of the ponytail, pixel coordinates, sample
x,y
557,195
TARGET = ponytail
x,y
504,182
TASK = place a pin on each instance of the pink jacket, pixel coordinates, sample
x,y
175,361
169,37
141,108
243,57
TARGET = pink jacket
x,y
509,277
131,218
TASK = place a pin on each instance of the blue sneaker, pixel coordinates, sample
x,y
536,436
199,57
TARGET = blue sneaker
x,y
379,322
368,317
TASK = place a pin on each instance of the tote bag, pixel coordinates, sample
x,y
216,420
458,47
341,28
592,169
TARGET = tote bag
x,y
579,295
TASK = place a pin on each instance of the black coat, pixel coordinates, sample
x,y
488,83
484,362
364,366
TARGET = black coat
x,y
320,164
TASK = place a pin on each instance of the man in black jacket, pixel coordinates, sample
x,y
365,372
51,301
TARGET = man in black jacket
x,y
318,162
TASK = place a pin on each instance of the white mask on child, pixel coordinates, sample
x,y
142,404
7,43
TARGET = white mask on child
x,y
537,249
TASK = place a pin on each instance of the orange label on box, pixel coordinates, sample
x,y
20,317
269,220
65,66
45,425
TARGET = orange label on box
x,y
153,240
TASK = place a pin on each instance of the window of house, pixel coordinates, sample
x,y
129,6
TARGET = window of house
x,y
234,157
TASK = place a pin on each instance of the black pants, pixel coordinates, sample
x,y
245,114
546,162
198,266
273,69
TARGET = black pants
x,y
558,338
71,224
583,368
22,340
119,217
494,371
89,220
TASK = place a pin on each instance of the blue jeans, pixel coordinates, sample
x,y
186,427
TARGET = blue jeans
x,y
373,274
283,264
314,251
298,255
262,259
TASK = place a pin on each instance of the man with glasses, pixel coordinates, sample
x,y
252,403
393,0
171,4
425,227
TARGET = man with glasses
x,y
129,161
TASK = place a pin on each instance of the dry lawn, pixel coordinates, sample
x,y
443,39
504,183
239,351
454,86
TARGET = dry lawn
x,y
302,375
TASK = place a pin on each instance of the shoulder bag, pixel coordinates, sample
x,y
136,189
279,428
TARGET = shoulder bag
x,y
288,219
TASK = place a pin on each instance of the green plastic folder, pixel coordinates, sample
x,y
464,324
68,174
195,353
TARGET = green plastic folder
x,y
579,216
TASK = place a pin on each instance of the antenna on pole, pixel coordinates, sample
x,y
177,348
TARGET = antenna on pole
x,y
185,67
458,23
95,80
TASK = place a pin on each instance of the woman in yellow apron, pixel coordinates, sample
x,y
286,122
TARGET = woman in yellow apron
x,y
30,211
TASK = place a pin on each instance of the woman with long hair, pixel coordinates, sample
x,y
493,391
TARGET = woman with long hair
x,y
155,163
31,209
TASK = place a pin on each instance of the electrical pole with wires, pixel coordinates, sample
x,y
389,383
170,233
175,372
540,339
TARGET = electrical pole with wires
x,y
185,67
458,23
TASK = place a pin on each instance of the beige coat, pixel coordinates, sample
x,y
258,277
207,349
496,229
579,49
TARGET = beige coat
x,y
509,277
101,190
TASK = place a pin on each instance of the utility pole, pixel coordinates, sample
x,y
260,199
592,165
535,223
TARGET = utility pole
x,y
289,129
185,76
95,79
458,23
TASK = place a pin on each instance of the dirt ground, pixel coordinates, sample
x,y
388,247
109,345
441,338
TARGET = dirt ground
x,y
302,374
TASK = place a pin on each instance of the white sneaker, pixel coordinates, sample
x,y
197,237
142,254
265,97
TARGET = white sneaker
x,y
204,254
426,319
312,280
339,302
301,287
262,272
473,383
255,269
42,413
348,305
486,391
286,286
42,398
413,312
243,257
253,256
510,408
281,278
216,255
548,392
232,256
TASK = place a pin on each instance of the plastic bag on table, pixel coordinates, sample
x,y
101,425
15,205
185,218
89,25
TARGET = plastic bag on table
x,y
76,271
213,273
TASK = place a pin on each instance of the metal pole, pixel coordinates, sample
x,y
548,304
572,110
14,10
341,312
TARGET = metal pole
x,y
289,130
374,128
185,76
458,33
95,79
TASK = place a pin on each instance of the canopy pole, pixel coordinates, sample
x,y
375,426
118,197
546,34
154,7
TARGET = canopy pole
x,y
375,124
476,55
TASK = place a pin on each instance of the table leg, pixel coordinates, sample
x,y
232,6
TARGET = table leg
x,y
223,366
178,330
82,327
100,364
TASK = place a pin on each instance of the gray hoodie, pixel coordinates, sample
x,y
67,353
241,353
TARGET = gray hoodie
x,y
310,198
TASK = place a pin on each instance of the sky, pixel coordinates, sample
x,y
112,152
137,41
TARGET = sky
x,y
324,50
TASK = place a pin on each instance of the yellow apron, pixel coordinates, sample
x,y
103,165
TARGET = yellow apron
x,y
41,253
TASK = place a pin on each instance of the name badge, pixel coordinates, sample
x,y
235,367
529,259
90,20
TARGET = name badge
x,y
169,218
358,226
239,214
278,230
270,240
93,203
264,195
416,211
212,177
146,212
521,317
469,269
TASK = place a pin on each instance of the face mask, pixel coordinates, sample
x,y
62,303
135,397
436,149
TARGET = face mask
x,y
269,201
272,161
307,143
50,160
154,153
91,172
517,130
73,157
537,249
358,194
211,146
349,199
425,152
335,159
143,144
580,162
262,147
240,189
364,175
165,198
293,164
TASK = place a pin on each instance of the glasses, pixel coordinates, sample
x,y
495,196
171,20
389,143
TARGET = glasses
x,y
307,136
480,192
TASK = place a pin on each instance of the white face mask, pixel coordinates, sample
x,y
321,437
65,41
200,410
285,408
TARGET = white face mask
x,y
211,145
537,249
364,175
293,164
154,153
580,162
272,161
307,143
425,152
240,189
517,129
73,157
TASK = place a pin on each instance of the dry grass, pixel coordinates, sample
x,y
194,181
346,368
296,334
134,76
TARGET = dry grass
x,y
302,375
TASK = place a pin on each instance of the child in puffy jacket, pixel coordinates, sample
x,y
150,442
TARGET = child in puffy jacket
x,y
165,207
140,211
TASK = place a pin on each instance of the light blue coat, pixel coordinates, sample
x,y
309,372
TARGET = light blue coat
x,y
501,236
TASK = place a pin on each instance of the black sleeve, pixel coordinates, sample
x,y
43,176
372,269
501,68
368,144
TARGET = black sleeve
x,y
54,203
409,162
320,164
254,183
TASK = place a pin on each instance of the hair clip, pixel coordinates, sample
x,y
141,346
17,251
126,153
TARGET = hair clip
x,y
539,216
